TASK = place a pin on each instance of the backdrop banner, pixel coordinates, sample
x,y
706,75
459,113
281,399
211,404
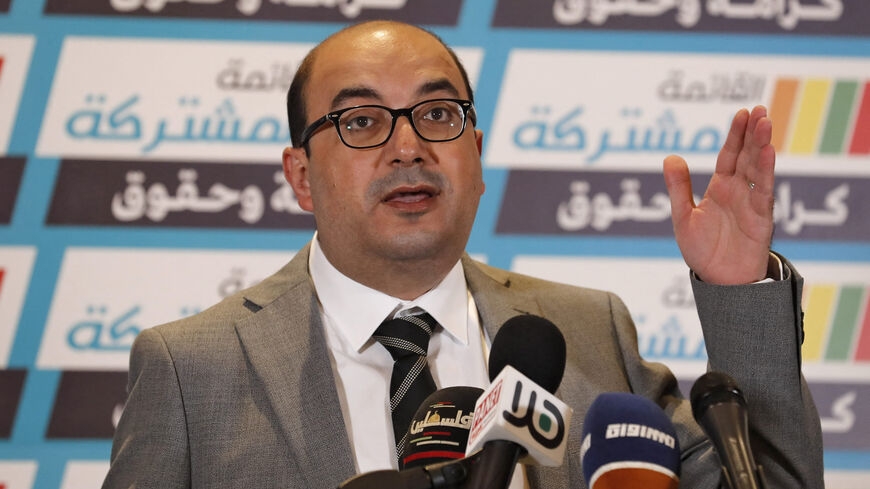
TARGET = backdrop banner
x,y
141,178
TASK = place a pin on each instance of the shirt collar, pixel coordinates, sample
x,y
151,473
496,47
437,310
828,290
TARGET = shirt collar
x,y
356,310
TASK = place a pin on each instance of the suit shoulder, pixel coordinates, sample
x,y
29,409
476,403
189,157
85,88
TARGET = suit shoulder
x,y
539,287
224,313
221,318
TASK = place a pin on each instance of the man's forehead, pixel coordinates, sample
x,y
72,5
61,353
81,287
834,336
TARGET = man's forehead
x,y
426,87
354,62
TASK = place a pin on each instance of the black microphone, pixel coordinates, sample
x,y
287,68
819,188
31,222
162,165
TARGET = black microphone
x,y
535,347
435,450
439,429
434,456
720,409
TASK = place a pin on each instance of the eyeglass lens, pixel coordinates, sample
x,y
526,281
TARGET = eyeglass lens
x,y
437,120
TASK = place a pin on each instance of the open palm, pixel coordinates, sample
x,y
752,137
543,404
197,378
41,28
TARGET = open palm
x,y
725,238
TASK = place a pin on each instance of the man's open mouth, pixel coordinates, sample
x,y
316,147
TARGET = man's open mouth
x,y
410,195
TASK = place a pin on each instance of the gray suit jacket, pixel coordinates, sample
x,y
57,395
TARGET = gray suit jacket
x,y
243,395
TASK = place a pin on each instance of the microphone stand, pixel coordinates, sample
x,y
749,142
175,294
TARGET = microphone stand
x,y
493,475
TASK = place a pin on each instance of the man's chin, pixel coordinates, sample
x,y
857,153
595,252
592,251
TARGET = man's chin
x,y
416,246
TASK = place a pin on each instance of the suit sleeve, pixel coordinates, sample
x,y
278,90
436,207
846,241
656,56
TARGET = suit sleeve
x,y
150,448
754,333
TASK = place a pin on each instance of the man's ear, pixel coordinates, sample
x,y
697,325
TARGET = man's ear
x,y
296,162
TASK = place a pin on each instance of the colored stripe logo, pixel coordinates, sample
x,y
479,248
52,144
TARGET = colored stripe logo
x,y
820,115
836,323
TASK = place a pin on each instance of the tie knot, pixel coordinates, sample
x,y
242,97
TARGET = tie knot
x,y
406,335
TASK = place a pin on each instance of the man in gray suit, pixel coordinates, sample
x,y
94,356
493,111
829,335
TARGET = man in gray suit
x,y
281,385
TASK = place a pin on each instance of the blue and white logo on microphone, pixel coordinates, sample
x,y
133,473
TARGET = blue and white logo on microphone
x,y
628,441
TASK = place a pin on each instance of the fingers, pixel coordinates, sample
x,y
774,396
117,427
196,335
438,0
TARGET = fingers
x,y
758,133
746,151
755,163
762,129
761,173
676,173
764,173
755,115
726,164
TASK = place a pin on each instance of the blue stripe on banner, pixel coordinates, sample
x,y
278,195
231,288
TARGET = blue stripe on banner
x,y
847,460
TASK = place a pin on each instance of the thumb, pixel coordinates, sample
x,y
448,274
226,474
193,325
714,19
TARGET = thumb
x,y
679,185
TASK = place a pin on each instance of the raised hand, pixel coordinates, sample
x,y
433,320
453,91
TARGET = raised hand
x,y
725,238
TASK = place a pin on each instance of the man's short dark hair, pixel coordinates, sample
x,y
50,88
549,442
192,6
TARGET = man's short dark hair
x,y
296,116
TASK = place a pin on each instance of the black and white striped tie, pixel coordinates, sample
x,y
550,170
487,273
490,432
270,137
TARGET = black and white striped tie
x,y
407,340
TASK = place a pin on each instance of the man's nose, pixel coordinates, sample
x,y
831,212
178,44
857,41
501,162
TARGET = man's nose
x,y
405,146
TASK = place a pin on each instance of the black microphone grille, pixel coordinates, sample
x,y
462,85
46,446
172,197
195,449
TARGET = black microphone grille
x,y
714,388
534,346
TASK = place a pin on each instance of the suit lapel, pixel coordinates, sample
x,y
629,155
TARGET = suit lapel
x,y
494,297
497,301
285,343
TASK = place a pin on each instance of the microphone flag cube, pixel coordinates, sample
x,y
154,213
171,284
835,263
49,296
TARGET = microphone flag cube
x,y
514,408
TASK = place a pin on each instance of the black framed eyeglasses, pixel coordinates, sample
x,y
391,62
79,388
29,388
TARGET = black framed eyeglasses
x,y
368,126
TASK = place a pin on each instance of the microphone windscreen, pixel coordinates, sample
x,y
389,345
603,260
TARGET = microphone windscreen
x,y
629,442
439,428
534,346
713,388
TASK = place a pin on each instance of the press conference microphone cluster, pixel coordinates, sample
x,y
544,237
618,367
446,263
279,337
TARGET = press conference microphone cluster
x,y
516,417
720,408
629,443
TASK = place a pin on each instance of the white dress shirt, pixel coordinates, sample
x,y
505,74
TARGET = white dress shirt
x,y
351,312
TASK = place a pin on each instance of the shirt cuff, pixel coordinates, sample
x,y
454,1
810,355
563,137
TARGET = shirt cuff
x,y
775,271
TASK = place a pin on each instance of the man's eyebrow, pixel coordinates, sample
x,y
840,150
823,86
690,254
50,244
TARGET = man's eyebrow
x,y
441,84
353,92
